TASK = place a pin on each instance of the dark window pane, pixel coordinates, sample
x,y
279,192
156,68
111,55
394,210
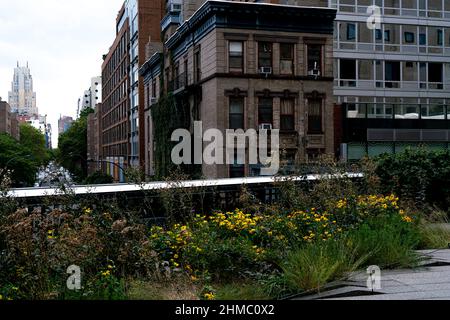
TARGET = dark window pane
x,y
314,57
287,117
378,34
435,72
286,58
351,31
392,71
264,54
314,116
236,56
265,110
422,39
347,69
236,113
409,37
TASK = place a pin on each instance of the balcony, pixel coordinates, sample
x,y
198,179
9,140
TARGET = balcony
x,y
169,19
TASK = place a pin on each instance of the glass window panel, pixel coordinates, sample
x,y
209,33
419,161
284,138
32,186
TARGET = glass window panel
x,y
265,110
365,69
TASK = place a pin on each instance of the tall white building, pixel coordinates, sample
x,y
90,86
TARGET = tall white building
x,y
22,98
91,96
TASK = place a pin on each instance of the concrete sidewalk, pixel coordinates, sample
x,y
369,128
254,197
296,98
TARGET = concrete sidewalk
x,y
430,281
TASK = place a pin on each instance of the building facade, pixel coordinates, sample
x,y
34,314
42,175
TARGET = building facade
x,y
114,118
22,98
64,123
138,21
9,123
91,96
238,65
94,133
394,79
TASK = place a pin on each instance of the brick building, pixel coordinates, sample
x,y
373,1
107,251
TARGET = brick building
x,y
123,130
248,65
9,123
115,125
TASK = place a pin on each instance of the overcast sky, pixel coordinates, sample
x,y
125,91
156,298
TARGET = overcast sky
x,y
63,42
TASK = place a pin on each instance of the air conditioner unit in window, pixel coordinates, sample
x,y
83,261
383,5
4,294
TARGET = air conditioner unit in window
x,y
265,70
175,7
314,72
265,126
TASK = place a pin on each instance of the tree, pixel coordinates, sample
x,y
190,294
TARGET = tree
x,y
99,177
32,139
72,145
19,160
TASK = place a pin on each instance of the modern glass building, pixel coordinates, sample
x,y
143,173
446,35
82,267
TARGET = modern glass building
x,y
393,80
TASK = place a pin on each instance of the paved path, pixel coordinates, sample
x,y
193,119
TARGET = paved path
x,y
431,281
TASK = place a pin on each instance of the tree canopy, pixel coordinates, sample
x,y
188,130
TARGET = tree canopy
x,y
32,139
18,159
72,146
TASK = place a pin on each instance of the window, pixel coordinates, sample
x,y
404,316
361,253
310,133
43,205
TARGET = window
x,y
392,71
314,116
351,31
378,34
409,37
286,58
434,72
422,39
287,117
236,56
314,58
236,112
237,171
387,35
265,110
186,72
197,66
347,69
154,89
264,54
439,37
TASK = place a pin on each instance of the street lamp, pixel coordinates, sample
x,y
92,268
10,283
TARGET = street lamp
x,y
106,161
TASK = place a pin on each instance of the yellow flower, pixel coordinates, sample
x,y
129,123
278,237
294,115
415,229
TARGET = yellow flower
x,y
407,219
194,278
1,297
209,296
106,273
176,256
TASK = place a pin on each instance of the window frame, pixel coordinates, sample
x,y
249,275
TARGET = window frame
x,y
291,59
262,107
315,118
236,69
235,114
260,43
290,116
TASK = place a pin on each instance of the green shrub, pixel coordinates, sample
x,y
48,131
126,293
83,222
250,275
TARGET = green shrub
x,y
309,268
390,240
242,291
418,174
435,236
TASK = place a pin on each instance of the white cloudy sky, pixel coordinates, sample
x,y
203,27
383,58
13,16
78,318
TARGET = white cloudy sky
x,y
63,41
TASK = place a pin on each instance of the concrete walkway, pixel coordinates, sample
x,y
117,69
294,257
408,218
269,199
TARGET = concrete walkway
x,y
430,281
